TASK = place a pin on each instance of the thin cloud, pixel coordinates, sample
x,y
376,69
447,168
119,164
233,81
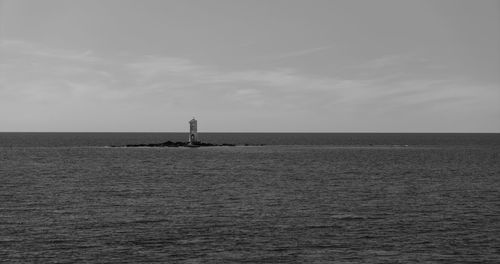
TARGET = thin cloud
x,y
299,53
70,83
25,48
392,60
271,86
289,55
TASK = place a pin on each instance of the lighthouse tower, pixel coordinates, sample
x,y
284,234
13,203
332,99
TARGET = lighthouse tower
x,y
193,131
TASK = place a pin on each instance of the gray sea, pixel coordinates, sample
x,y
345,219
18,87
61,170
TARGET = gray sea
x,y
300,198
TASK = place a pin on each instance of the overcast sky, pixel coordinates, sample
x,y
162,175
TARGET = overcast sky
x,y
250,65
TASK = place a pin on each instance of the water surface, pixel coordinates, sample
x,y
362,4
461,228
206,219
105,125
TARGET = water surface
x,y
367,199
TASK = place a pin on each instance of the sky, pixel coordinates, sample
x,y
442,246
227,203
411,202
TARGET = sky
x,y
250,65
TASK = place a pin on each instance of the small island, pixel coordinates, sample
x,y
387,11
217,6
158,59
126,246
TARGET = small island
x,y
193,142
178,144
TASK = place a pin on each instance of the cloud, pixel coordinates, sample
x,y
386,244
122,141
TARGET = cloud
x,y
69,89
277,88
288,55
24,48
298,53
392,60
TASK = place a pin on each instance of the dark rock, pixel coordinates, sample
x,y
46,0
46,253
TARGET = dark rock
x,y
178,144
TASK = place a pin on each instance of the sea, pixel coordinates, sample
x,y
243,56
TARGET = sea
x,y
283,198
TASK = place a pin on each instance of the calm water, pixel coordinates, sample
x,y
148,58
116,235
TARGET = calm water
x,y
302,198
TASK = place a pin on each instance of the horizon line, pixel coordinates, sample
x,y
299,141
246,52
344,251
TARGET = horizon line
x,y
267,132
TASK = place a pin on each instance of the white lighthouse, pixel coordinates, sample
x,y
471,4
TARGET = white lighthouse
x,y
193,131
